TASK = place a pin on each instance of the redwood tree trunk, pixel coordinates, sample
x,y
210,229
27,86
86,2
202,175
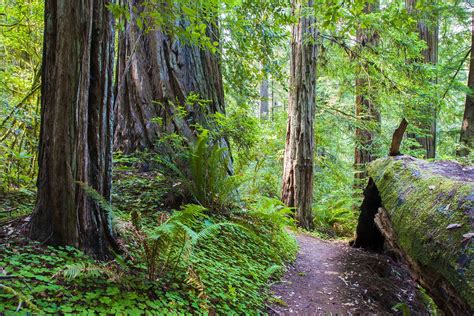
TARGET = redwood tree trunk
x,y
467,129
366,109
429,34
297,186
156,73
76,126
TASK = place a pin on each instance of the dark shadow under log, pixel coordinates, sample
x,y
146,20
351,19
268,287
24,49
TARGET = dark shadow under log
x,y
368,235
425,213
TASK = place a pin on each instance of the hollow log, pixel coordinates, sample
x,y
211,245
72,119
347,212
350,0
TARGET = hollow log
x,y
425,213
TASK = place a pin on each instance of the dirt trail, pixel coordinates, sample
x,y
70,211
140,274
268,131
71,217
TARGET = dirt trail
x,y
331,277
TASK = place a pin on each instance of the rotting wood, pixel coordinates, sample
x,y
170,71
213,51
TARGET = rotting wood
x,y
420,202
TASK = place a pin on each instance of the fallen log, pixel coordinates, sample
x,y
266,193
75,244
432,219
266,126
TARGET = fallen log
x,y
424,211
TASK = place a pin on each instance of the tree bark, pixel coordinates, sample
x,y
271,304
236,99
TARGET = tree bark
x,y
366,109
297,186
156,73
429,34
76,127
467,128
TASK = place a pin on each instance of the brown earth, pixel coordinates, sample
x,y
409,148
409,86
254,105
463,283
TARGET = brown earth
x,y
332,278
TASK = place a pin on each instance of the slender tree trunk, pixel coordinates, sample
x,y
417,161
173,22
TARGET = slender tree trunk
x,y
156,74
467,128
366,109
264,107
297,186
429,34
264,96
76,125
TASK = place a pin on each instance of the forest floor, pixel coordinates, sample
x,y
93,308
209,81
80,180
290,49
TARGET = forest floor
x,y
332,277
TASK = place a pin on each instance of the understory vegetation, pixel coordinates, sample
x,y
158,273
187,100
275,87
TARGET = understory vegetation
x,y
190,260
182,168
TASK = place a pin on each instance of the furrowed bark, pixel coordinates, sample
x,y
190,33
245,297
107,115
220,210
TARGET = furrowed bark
x,y
297,183
76,126
156,73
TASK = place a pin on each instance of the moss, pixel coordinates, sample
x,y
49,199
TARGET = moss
x,y
422,203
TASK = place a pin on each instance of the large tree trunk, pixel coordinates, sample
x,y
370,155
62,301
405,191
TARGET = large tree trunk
x,y
297,186
156,73
366,109
467,129
425,213
76,126
428,33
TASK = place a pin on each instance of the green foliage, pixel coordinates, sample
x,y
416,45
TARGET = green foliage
x,y
261,163
16,203
336,219
206,177
21,29
335,198
211,185
142,191
212,265
33,266
235,265
88,270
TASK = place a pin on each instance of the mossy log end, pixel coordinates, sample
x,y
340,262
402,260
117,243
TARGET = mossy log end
x,y
426,214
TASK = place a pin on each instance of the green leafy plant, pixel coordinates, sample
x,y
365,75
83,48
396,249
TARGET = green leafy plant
x,y
88,269
335,217
207,178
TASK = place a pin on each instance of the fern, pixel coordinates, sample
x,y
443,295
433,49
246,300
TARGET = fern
x,y
105,205
272,270
194,280
86,269
208,181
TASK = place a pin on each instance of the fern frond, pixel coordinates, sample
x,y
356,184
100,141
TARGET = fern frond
x,y
214,228
105,205
193,279
270,271
85,269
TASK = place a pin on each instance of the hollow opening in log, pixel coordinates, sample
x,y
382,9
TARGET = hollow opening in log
x,y
368,236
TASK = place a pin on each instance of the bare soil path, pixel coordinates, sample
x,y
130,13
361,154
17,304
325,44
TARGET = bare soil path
x,y
332,278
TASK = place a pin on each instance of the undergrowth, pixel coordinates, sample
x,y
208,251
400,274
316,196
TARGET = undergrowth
x,y
215,256
226,273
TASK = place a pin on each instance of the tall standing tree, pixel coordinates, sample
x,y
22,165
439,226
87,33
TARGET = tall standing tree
x,y
157,72
467,128
428,30
365,108
297,186
264,98
76,127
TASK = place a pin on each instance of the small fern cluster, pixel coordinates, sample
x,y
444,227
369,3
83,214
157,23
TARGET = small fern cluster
x,y
170,246
335,217
88,269
206,177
